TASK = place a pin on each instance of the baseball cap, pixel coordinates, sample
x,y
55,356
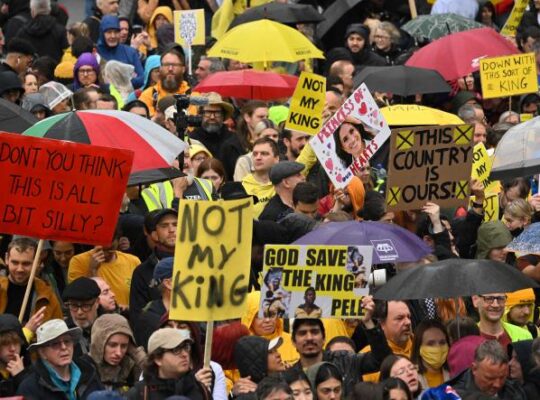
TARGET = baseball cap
x,y
168,338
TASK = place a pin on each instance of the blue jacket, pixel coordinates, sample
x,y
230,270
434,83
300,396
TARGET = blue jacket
x,y
122,53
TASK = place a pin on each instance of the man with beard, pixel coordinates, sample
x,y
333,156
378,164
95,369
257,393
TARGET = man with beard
x,y
309,337
171,79
491,309
213,132
163,234
294,142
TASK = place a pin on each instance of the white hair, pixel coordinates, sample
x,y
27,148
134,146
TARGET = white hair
x,y
40,7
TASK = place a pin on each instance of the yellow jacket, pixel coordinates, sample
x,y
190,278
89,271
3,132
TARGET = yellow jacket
x,y
150,96
151,29
263,191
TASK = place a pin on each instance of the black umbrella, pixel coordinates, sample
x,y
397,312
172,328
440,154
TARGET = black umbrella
x,y
402,80
336,19
455,277
284,13
13,118
154,175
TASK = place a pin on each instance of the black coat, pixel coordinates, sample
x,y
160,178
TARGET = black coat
x,y
213,141
8,386
465,386
160,389
141,293
231,150
47,35
38,384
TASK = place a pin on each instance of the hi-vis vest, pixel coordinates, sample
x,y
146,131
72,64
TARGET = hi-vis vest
x,y
161,194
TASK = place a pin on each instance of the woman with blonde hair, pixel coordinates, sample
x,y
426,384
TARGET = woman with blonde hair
x,y
517,215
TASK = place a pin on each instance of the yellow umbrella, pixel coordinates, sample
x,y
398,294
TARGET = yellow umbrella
x,y
264,41
413,115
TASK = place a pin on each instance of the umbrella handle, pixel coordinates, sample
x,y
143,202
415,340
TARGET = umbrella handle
x,y
412,7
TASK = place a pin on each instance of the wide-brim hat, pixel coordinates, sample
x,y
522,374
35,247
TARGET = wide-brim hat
x,y
53,329
215,99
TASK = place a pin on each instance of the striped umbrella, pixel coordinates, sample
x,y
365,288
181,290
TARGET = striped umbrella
x,y
155,148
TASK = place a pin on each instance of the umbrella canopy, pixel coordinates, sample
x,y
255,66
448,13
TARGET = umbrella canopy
x,y
458,55
249,84
154,147
13,118
336,19
391,243
438,25
413,115
264,41
518,152
402,80
528,242
454,277
288,13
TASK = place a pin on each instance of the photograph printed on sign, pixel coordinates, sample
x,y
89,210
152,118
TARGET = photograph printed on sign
x,y
315,281
362,107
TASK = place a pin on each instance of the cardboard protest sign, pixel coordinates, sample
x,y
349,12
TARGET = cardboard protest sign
x,y
53,189
189,27
481,169
211,260
307,103
359,105
430,163
514,19
315,281
508,75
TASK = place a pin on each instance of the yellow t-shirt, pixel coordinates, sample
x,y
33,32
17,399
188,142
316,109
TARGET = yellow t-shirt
x,y
433,379
116,273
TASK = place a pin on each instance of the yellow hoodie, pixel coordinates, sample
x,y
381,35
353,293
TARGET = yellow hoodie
x,y
524,296
167,13
263,191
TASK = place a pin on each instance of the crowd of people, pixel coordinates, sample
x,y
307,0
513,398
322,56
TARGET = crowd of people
x,y
97,324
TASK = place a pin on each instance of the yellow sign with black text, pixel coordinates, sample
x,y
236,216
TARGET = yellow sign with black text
x,y
189,27
212,260
508,75
307,103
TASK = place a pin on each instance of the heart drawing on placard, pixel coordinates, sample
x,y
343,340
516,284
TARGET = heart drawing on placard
x,y
329,164
363,108
339,178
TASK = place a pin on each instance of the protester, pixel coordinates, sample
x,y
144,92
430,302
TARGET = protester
x,y
402,368
14,360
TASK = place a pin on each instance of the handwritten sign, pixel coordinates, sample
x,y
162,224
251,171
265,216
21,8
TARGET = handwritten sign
x,y
52,189
315,281
189,27
429,164
508,75
481,169
514,19
361,106
212,260
307,103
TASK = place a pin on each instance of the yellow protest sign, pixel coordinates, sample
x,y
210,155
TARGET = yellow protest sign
x,y
302,281
513,21
189,28
482,168
525,117
212,260
307,103
491,208
508,75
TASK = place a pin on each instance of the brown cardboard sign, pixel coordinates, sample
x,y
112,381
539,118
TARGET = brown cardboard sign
x,y
429,164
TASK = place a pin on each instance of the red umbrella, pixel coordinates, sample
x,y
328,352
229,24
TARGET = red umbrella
x,y
249,84
459,54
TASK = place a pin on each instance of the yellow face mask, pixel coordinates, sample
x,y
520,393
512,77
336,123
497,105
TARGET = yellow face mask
x,y
434,356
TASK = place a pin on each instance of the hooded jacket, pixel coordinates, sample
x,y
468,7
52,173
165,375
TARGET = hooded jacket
x,y
251,357
9,384
491,235
121,52
288,352
365,57
151,29
47,35
311,374
263,191
84,60
524,296
119,377
464,384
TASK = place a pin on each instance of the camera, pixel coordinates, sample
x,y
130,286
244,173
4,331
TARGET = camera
x,y
182,119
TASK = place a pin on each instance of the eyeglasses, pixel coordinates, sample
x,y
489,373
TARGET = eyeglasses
x,y
214,113
83,306
404,370
380,37
59,343
183,347
86,71
173,65
491,299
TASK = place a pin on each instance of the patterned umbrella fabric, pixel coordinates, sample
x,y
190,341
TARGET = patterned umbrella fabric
x,y
528,242
436,26
154,147
391,243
